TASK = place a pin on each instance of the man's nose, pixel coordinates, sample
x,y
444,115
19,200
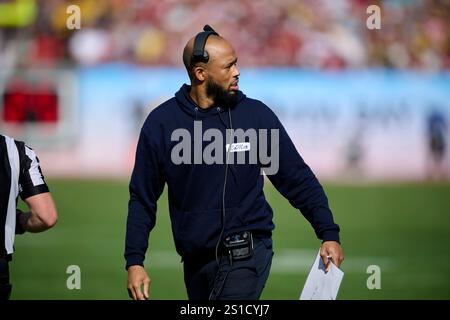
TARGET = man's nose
x,y
236,72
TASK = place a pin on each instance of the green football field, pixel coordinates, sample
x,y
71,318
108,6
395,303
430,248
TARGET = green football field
x,y
402,229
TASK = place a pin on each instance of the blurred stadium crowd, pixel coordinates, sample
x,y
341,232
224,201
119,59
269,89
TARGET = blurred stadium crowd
x,y
320,34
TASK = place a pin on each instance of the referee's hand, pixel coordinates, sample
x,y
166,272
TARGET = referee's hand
x,y
137,277
331,251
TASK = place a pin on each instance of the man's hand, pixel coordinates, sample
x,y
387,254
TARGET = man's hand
x,y
331,250
21,221
136,278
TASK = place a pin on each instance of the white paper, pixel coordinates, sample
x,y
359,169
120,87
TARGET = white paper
x,y
321,285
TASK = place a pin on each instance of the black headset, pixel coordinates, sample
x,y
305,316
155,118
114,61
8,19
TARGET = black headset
x,y
199,54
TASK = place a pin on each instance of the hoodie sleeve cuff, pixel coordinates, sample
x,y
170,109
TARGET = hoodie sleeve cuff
x,y
331,235
134,260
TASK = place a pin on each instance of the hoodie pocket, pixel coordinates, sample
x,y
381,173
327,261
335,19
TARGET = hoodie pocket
x,y
199,230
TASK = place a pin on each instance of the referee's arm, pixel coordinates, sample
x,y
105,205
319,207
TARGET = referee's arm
x,y
35,193
42,214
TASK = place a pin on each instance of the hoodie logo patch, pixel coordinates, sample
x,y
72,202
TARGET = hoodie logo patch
x,y
238,147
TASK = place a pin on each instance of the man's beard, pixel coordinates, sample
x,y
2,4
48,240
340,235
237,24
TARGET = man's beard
x,y
221,97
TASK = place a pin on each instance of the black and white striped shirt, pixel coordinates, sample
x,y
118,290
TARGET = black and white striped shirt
x,y
20,174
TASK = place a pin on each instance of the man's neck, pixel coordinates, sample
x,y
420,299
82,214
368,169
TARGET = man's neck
x,y
200,98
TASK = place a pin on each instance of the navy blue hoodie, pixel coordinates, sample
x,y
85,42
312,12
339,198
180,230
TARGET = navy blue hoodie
x,y
195,190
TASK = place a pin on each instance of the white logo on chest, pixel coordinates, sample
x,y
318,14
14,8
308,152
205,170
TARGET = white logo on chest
x,y
238,147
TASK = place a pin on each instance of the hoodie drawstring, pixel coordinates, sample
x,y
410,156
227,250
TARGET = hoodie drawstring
x,y
192,168
223,122
232,169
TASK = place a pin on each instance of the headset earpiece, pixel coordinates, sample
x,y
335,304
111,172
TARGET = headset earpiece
x,y
199,54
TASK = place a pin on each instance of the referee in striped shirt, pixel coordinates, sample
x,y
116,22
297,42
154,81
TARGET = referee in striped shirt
x,y
20,174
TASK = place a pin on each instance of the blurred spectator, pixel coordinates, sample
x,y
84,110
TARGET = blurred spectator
x,y
437,144
319,34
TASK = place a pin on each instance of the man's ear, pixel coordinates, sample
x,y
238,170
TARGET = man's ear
x,y
200,73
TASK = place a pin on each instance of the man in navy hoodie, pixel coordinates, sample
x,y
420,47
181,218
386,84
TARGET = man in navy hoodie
x,y
221,222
